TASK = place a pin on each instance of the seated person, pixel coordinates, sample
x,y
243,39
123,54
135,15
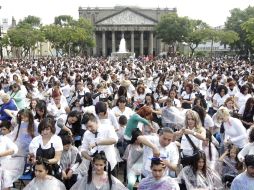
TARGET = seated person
x,y
69,161
43,180
158,180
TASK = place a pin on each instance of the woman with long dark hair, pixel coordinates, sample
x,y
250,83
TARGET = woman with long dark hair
x,y
247,113
99,176
43,179
199,176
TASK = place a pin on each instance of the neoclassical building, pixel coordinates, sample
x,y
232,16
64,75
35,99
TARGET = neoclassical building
x,y
137,25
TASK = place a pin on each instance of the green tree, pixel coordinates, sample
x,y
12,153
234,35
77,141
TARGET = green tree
x,y
24,36
234,23
198,33
248,27
31,20
172,29
69,37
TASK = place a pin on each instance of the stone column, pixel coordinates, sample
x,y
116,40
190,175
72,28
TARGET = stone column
x,y
141,43
132,41
150,51
159,46
113,42
95,45
103,44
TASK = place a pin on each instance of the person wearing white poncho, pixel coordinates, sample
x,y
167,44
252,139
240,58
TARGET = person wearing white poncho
x,y
42,178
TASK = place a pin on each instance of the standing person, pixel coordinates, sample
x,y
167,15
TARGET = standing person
x,y
8,167
143,115
43,179
134,158
161,146
245,180
98,138
98,177
235,132
242,96
158,180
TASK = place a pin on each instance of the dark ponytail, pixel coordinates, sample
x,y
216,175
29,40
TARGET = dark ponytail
x,y
90,173
109,176
209,137
99,156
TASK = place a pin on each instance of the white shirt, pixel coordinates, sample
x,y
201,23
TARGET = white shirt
x,y
104,132
127,112
208,123
220,100
186,146
241,99
236,132
169,153
7,144
55,140
247,150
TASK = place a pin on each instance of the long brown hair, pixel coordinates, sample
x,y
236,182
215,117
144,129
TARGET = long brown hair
x,y
30,127
145,111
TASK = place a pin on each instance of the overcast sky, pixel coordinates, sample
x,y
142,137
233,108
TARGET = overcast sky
x,y
213,12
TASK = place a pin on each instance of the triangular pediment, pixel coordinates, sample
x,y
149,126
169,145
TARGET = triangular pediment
x,y
127,17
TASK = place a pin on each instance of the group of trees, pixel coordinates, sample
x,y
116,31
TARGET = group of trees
x,y
238,31
66,36
72,37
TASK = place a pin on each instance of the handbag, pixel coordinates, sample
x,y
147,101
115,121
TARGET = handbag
x,y
188,160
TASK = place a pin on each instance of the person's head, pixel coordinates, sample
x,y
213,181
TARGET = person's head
x,y
80,85
222,114
122,91
141,89
15,87
101,109
41,109
232,151
90,121
245,89
33,103
42,168
201,112
67,142
146,112
88,100
229,102
135,134
99,165
172,94
5,98
192,120
56,95
122,120
5,127
199,163
169,102
222,90
249,162
149,99
73,117
166,135
158,168
189,88
231,85
121,102
47,127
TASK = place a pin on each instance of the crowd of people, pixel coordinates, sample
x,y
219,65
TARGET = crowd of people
x,y
171,123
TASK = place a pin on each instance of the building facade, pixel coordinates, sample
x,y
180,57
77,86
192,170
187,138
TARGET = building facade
x,y
136,24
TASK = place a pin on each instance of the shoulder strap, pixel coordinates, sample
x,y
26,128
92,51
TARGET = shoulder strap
x,y
191,142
